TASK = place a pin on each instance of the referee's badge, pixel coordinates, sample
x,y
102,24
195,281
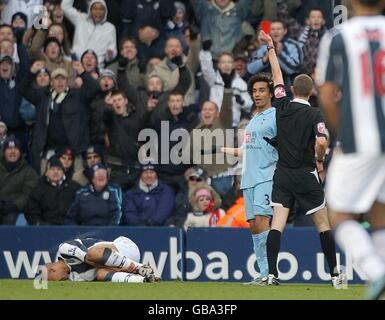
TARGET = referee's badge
x,y
106,195
321,128
279,92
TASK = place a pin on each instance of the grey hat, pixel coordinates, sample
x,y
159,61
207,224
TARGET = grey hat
x,y
180,6
108,73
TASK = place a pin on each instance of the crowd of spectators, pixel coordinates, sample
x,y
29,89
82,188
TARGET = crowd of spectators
x,y
81,79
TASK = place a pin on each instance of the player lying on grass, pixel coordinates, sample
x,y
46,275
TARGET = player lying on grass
x,y
93,259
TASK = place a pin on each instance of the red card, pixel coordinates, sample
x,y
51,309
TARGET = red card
x,y
265,26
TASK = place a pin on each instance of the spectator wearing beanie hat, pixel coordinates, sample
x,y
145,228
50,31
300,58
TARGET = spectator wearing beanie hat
x,y
100,203
17,179
150,202
19,20
93,155
51,199
66,157
176,26
194,176
56,30
107,83
53,58
43,78
89,61
206,208
19,25
20,6
107,73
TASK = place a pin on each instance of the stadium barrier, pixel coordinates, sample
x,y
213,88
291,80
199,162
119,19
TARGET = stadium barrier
x,y
200,254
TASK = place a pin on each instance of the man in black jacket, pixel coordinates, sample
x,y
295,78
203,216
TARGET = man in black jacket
x,y
123,125
10,97
17,179
50,200
61,113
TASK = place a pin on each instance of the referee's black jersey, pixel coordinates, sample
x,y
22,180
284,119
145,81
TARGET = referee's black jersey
x,y
298,125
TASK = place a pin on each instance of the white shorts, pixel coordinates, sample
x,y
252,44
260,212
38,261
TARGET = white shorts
x,y
125,246
355,182
128,248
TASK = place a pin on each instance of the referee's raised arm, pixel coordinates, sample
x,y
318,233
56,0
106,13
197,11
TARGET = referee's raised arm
x,y
274,63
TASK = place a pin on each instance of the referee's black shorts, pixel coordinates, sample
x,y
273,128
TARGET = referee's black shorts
x,y
302,184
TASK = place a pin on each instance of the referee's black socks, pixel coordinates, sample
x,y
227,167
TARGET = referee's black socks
x,y
273,244
329,249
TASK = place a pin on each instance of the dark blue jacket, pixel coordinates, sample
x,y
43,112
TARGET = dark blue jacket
x,y
139,12
152,208
10,96
75,113
187,120
96,208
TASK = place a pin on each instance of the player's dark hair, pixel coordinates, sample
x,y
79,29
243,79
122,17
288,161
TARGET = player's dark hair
x,y
260,77
302,85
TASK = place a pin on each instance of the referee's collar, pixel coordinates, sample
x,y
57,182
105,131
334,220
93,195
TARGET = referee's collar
x,y
301,101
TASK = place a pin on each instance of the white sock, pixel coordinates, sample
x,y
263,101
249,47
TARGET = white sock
x,y
351,237
126,277
119,261
73,251
378,237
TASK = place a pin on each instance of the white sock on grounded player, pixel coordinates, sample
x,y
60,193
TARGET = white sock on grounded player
x,y
67,249
126,277
115,259
351,237
378,237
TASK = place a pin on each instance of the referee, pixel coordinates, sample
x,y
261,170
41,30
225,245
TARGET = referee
x,y
300,130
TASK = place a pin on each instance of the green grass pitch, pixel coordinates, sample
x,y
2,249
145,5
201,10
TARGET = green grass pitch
x,y
24,289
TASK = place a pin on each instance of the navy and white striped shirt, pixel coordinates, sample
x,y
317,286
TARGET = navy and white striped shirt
x,y
352,56
79,270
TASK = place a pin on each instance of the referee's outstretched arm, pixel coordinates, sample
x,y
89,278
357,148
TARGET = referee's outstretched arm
x,y
274,63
